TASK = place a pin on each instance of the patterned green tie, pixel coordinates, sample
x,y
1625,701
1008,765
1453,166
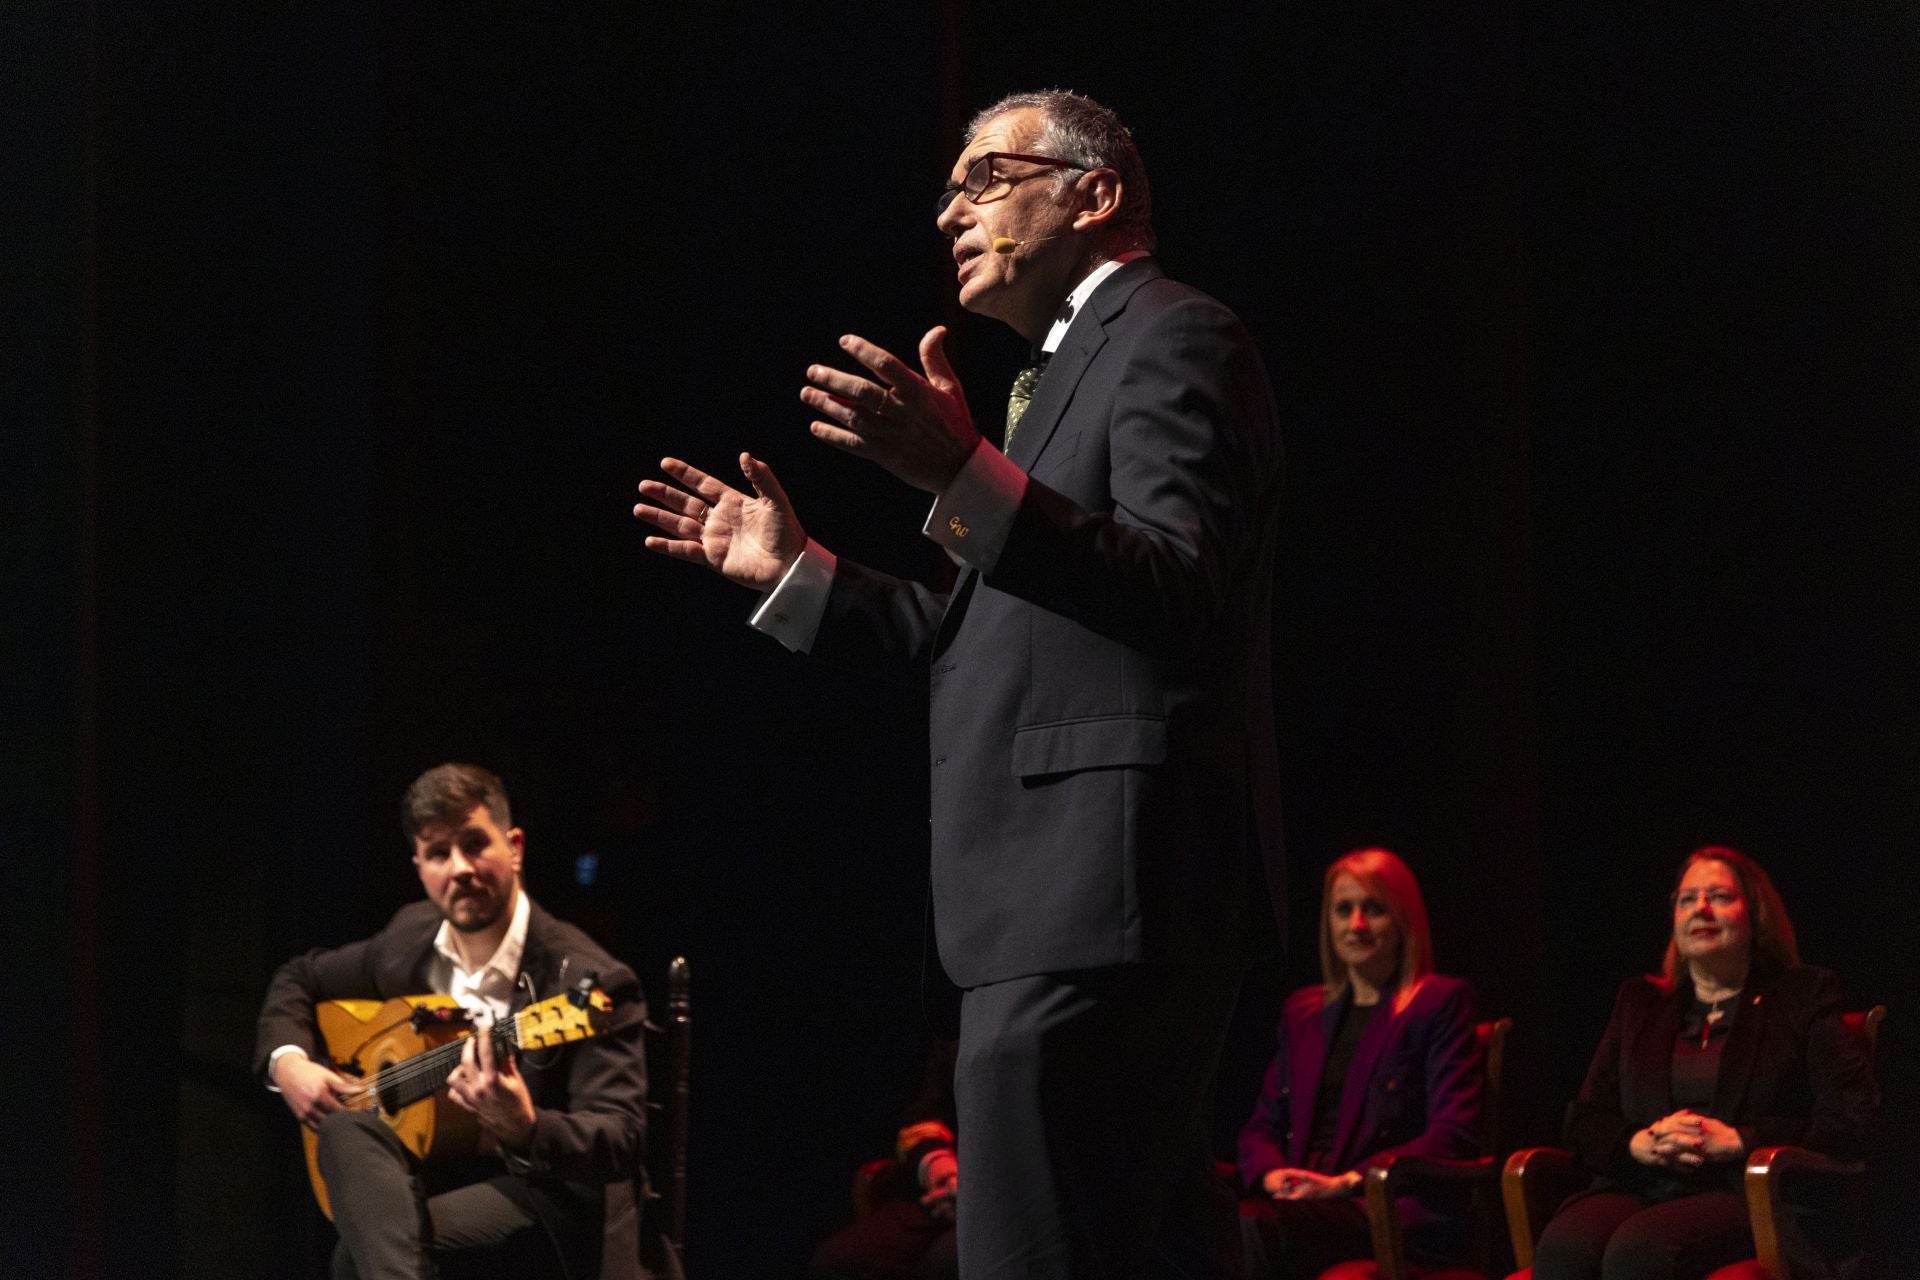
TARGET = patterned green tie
x,y
1022,394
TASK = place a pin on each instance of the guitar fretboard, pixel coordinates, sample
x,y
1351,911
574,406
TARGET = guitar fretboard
x,y
402,1084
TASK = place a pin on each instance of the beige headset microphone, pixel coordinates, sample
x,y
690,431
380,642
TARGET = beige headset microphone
x,y
1007,244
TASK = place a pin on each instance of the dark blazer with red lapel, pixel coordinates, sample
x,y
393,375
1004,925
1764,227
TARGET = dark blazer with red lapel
x,y
1104,778
1790,1072
1413,1087
589,1097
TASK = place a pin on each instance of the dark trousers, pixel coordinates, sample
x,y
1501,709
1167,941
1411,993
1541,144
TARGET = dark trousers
x,y
1084,1102
898,1241
1298,1239
1617,1235
393,1227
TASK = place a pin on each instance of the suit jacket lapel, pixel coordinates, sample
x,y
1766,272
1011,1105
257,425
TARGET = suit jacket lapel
x,y
1381,1031
1084,338
1306,1059
1739,1052
1056,389
1652,1051
406,970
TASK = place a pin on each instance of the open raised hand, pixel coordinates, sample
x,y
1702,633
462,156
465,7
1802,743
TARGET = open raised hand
x,y
749,540
915,426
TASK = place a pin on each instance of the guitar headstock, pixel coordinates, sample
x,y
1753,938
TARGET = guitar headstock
x,y
558,1020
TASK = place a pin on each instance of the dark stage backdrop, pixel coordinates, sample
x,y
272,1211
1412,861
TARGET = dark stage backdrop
x,y
338,337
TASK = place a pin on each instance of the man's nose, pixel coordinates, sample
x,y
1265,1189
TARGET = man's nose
x,y
459,864
950,221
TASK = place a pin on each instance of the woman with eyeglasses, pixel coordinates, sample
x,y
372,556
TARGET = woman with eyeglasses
x,y
1735,1045
1379,1057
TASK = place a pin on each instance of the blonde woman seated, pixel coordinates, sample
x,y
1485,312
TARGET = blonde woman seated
x,y
1380,1058
1735,1045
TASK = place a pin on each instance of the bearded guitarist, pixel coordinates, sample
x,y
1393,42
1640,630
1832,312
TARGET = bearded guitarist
x,y
559,1130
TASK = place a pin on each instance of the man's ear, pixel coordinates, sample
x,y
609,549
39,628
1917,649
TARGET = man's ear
x,y
518,839
1097,196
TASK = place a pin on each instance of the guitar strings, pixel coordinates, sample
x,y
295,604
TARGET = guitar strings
x,y
424,1064
433,1061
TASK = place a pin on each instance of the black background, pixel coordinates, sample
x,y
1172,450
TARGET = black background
x,y
337,337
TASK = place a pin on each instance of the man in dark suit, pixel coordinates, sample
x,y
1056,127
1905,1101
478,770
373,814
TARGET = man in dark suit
x,y
562,1129
1102,751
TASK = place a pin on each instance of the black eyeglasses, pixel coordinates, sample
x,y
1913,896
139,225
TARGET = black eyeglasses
x,y
984,186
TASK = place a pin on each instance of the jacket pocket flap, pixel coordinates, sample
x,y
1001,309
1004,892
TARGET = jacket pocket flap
x,y
1098,742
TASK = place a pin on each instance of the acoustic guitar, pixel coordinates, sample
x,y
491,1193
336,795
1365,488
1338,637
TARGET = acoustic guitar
x,y
403,1050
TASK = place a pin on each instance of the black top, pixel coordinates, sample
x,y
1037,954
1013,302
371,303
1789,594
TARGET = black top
x,y
1333,1080
1696,1054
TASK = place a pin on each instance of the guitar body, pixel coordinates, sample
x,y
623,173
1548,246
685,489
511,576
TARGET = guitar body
x,y
365,1036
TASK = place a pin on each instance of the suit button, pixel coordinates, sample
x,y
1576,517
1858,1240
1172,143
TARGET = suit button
x,y
938,761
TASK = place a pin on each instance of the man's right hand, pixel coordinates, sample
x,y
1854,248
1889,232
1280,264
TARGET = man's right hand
x,y
312,1091
749,540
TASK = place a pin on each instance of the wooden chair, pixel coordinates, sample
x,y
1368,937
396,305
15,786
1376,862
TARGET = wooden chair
x,y
661,1190
1392,1177
1537,1180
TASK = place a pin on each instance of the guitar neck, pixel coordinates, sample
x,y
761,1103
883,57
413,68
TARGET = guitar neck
x,y
405,1083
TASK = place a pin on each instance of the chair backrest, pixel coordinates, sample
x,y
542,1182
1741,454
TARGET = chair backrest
x,y
1865,1023
663,1223
1493,1060
1485,1211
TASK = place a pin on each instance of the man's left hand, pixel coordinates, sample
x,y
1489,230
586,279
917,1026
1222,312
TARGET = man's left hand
x,y
492,1088
917,427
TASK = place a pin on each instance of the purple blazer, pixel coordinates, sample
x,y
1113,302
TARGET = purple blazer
x,y
1412,1088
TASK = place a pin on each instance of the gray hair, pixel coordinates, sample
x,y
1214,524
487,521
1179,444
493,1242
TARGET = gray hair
x,y
1079,130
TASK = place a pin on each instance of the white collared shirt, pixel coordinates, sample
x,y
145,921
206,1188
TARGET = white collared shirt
x,y
970,518
488,992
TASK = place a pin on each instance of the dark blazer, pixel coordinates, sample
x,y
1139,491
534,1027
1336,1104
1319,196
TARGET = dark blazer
x,y
589,1098
1789,1073
1413,1087
1104,779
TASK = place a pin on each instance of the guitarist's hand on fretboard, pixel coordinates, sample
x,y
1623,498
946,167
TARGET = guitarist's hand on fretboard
x,y
489,1084
312,1091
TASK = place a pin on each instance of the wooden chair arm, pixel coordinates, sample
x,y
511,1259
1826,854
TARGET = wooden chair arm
x,y
1385,1181
1524,1189
1765,1182
1383,1224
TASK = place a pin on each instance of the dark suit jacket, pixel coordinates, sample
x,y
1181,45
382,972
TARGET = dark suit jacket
x,y
1790,1072
1101,738
1413,1087
589,1097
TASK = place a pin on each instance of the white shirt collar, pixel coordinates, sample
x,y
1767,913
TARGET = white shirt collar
x,y
506,956
1078,298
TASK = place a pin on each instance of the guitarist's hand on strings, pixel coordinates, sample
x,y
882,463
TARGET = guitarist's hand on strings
x,y
490,1086
312,1091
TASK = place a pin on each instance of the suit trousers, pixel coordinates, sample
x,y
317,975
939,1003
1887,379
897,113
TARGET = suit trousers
x,y
1617,1235
391,1225
1084,1107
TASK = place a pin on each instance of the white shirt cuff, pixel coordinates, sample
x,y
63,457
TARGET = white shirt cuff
x,y
792,611
973,514
274,1060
